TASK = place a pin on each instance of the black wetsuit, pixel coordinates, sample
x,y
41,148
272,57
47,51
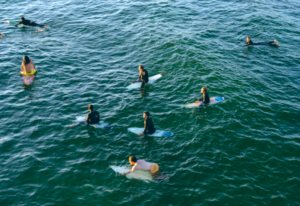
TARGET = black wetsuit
x,y
260,43
30,23
148,126
93,117
144,77
205,99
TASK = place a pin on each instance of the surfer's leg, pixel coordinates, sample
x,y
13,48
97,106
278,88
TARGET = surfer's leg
x,y
143,84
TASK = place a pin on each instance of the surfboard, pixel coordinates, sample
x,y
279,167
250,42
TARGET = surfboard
x,y
213,100
139,174
157,133
27,79
137,85
100,125
12,23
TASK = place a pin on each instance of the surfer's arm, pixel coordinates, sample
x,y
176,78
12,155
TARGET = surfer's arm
x,y
21,67
17,24
132,170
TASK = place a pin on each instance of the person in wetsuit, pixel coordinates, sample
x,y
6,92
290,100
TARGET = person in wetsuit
x,y
93,117
205,99
143,77
29,23
270,43
148,124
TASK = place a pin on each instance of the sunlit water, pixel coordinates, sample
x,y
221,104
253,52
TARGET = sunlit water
x,y
242,151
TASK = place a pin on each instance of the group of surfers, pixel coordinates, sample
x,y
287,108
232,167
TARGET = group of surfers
x,y
28,68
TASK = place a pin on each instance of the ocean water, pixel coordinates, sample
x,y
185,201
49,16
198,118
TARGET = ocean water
x,y
242,151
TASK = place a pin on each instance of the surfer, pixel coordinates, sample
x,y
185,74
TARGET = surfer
x,y
142,165
26,22
148,124
1,35
205,99
143,76
92,118
270,43
27,67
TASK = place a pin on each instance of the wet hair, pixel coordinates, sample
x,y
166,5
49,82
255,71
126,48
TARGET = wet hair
x,y
147,113
23,19
142,67
91,107
248,37
27,60
132,158
204,89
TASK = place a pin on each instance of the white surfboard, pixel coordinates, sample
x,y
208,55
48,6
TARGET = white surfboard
x,y
213,100
137,85
138,174
157,133
100,125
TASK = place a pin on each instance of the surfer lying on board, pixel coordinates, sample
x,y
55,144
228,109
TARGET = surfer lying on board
x,y
142,165
1,35
270,43
26,22
205,99
92,118
148,124
143,76
27,67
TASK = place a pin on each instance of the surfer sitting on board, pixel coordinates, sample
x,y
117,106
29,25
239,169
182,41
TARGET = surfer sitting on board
x,y
205,99
142,165
26,22
270,43
92,118
27,66
143,77
148,124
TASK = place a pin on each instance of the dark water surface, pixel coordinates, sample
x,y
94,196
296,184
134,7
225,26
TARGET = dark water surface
x,y
243,151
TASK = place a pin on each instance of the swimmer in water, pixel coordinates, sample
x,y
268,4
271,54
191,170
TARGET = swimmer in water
x,y
27,66
92,118
143,77
205,99
142,165
148,124
270,43
29,23
1,35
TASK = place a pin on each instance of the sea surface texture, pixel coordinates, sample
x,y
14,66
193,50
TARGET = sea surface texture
x,y
244,150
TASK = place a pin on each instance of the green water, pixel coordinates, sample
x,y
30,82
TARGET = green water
x,y
242,151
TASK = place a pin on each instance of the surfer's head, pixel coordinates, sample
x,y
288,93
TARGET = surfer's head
x,y
248,38
141,67
146,115
22,18
204,89
91,107
26,60
132,160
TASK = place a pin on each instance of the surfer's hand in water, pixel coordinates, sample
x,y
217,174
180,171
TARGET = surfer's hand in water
x,y
140,134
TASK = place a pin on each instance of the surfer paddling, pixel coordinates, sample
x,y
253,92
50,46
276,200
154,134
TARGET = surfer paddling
x,y
92,118
142,165
26,22
270,43
143,76
148,124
